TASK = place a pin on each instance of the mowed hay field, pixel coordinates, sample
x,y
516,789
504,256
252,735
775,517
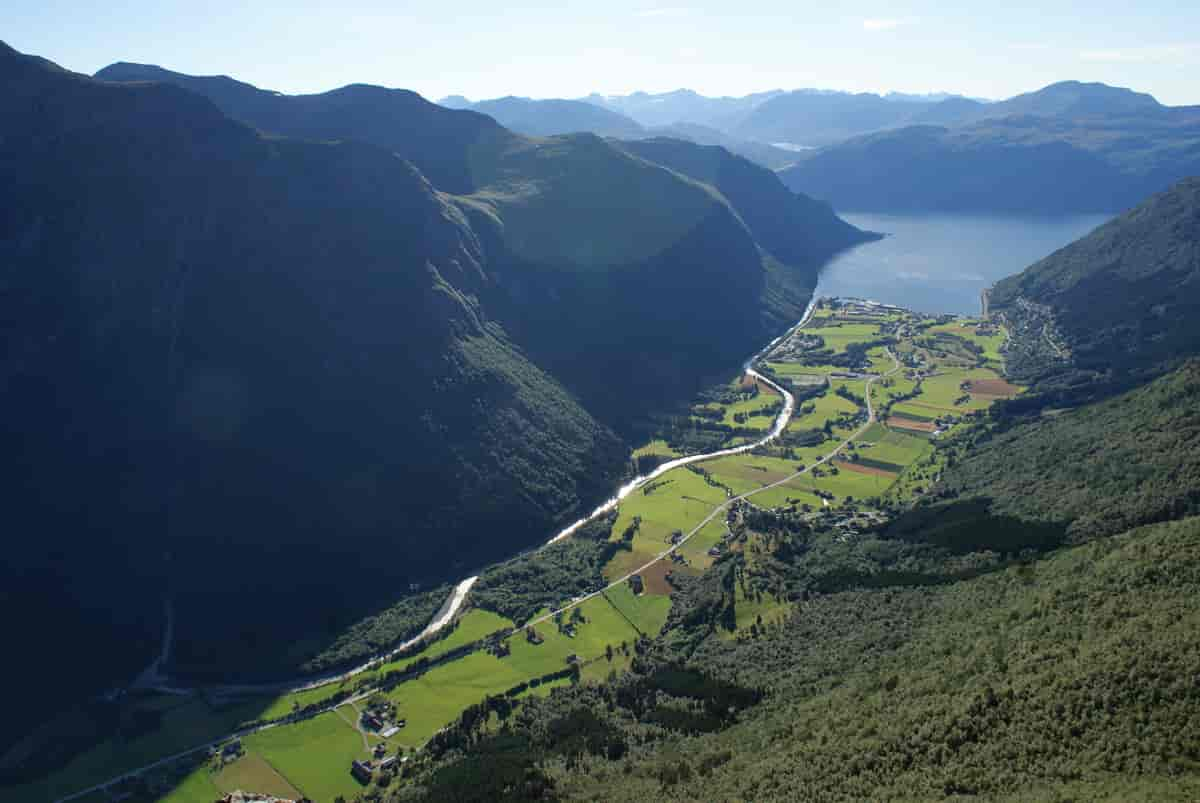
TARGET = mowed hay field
x,y
197,787
838,336
471,626
969,331
891,446
647,611
678,500
313,755
252,773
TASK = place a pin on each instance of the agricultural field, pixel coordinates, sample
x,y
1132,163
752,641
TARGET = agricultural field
x,y
252,773
647,612
891,446
969,330
197,787
655,447
838,336
313,755
186,723
790,369
751,607
893,458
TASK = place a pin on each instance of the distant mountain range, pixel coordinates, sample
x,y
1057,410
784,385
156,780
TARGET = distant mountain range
x,y
1069,147
553,117
281,356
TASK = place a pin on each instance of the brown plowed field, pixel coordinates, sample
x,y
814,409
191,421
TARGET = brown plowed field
x,y
900,422
993,389
654,578
861,469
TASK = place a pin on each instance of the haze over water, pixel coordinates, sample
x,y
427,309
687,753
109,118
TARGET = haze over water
x,y
939,262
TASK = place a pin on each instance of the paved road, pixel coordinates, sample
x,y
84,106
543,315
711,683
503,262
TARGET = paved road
x,y
456,599
781,422
729,502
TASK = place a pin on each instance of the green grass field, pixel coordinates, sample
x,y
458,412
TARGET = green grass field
x,y
186,725
838,337
749,408
432,700
646,612
658,447
894,447
252,773
471,626
748,608
787,369
844,483
968,330
680,502
197,787
313,755
814,412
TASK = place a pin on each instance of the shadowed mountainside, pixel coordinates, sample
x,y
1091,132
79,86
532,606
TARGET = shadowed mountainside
x,y
541,118
265,370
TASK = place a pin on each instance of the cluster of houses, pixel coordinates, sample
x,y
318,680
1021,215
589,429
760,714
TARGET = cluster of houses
x,y
379,717
364,771
382,719
253,797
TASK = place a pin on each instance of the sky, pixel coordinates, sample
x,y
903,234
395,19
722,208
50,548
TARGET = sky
x,y
484,49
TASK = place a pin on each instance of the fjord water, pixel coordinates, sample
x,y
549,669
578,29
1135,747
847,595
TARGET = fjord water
x,y
940,262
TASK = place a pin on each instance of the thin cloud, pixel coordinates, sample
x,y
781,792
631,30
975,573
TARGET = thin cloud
x,y
883,24
1029,46
663,12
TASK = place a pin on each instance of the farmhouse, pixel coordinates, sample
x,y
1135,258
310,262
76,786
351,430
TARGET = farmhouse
x,y
360,771
388,762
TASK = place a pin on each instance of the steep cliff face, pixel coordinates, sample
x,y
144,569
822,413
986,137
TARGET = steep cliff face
x,y
280,374
614,263
244,370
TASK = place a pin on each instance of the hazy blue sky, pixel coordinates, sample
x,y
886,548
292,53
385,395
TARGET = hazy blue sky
x,y
484,48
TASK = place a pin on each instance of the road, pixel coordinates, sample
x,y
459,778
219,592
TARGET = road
x,y
454,602
442,618
781,422
732,500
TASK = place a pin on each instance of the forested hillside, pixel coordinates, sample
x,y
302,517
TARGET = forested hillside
x,y
1022,629
232,364
1122,299
258,375
1069,678
652,266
